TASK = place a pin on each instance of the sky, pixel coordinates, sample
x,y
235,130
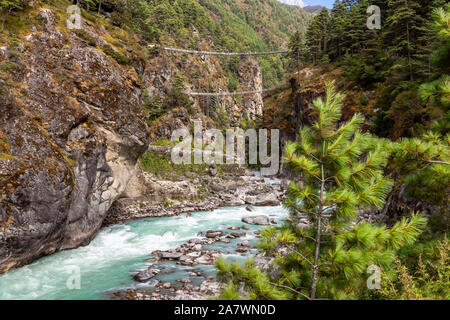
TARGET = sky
x,y
325,3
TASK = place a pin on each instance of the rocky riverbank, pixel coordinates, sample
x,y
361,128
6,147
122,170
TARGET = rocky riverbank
x,y
193,254
150,196
153,197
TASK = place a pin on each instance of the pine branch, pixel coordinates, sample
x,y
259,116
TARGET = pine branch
x,y
289,288
437,162
308,237
307,260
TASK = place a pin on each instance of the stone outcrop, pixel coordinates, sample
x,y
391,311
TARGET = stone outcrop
x,y
74,128
145,275
257,220
250,75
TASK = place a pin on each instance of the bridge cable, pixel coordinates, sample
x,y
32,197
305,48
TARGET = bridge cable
x,y
221,94
212,53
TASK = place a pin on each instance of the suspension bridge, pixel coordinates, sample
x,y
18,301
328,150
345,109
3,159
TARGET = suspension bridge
x,y
223,94
226,54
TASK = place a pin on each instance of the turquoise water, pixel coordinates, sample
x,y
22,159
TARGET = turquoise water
x,y
118,252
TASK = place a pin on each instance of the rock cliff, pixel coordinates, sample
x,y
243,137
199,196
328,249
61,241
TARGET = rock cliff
x,y
72,129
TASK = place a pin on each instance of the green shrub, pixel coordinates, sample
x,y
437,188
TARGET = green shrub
x,y
363,100
168,203
9,67
429,281
120,58
85,36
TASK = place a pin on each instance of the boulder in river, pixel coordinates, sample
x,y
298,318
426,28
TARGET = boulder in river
x,y
167,285
185,260
250,208
213,234
238,235
205,259
145,275
263,200
256,220
170,255
245,244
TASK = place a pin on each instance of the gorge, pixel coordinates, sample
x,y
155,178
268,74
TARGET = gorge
x,y
341,165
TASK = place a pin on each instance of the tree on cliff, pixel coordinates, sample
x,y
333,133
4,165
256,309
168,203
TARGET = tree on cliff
x,y
340,171
339,25
6,6
317,35
175,97
296,49
402,29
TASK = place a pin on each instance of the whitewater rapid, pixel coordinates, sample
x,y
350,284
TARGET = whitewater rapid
x,y
107,264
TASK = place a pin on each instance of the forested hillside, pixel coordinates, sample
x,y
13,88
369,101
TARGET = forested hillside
x,y
134,26
229,25
405,62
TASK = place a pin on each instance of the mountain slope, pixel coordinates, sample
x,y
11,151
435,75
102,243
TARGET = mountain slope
x,y
229,25
299,3
312,9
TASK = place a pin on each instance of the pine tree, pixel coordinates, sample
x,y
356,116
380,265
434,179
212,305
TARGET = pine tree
x,y
324,25
339,24
340,171
357,26
175,97
423,166
296,49
313,39
436,94
317,35
403,24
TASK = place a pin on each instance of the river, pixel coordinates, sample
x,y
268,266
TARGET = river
x,y
108,263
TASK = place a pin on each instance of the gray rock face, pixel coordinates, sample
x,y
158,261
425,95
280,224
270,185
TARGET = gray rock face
x,y
73,134
257,220
251,74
